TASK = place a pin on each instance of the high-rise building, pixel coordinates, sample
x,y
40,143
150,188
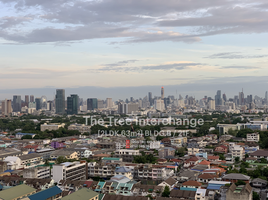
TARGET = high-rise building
x,y
26,100
6,107
122,108
162,93
132,107
100,104
211,105
266,97
150,98
38,103
241,98
92,104
60,101
218,100
16,103
159,104
32,105
32,98
109,103
50,105
72,104
224,97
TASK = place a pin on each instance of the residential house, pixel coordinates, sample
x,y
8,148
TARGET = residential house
x,y
191,185
234,177
124,171
206,177
170,182
259,183
166,142
260,154
221,149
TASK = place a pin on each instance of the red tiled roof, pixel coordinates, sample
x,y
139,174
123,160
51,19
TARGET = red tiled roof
x,y
213,157
204,162
175,160
207,176
192,183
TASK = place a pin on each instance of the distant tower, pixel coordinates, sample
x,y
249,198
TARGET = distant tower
x,y
32,98
60,101
162,93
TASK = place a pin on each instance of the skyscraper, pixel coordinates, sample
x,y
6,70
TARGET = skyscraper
x,y
266,97
16,103
162,93
92,104
6,107
150,96
38,103
26,100
218,100
32,98
241,98
109,103
72,104
60,101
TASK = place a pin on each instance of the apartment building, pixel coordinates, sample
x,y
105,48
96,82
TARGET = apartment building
x,y
82,128
253,137
70,171
37,172
154,172
126,154
51,127
178,141
101,170
31,160
237,151
166,152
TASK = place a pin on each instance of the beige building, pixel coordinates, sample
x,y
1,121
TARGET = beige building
x,y
65,153
52,126
82,128
242,192
6,107
69,171
253,137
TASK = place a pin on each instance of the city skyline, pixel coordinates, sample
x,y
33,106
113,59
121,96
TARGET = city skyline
x,y
121,93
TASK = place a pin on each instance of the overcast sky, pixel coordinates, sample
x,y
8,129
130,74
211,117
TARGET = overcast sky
x,y
123,48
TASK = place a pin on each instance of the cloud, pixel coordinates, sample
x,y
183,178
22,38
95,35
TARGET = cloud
x,y
121,63
151,68
239,67
131,21
234,55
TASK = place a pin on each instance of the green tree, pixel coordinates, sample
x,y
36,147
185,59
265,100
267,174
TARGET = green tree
x,y
61,159
256,196
239,182
166,192
237,159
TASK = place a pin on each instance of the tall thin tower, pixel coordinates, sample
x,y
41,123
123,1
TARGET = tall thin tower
x,y
162,93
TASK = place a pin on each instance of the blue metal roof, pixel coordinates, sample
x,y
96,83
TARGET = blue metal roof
x,y
213,187
25,133
45,194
